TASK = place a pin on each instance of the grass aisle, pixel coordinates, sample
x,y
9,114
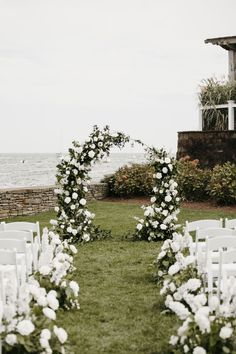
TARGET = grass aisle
x,y
120,304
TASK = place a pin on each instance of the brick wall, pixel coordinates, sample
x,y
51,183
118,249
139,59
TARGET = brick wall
x,y
32,200
209,147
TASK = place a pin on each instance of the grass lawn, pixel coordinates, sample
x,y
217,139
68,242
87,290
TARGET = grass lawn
x,y
120,304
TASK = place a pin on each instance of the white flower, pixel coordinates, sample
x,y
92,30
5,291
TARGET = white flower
x,y
158,175
168,198
25,327
167,160
173,269
161,255
153,199
44,344
213,302
45,270
139,227
173,340
42,301
82,201
67,200
86,237
49,313
175,246
69,229
74,195
199,350
226,332
72,207
163,227
56,209
165,170
61,334
46,334
186,348
11,339
91,154
79,150
73,249
74,286
52,301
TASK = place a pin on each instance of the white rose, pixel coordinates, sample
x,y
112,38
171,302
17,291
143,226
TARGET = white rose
x,y
56,209
49,313
173,340
226,332
199,350
44,343
165,170
86,237
79,150
53,222
82,201
73,249
52,302
173,269
161,255
158,175
25,327
45,270
67,200
163,227
74,286
91,154
42,301
153,199
139,227
46,334
168,198
74,195
11,339
61,334
167,160
72,207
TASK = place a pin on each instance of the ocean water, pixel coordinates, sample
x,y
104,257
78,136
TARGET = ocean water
x,y
28,170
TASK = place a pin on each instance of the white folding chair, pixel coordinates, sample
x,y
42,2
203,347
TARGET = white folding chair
x,y
227,266
23,235
8,261
231,224
202,234
19,246
23,226
215,244
193,226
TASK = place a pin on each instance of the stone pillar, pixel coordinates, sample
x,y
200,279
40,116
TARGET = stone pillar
x,y
232,65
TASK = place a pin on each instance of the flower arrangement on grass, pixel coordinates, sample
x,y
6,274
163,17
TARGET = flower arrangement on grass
x,y
208,325
29,320
160,217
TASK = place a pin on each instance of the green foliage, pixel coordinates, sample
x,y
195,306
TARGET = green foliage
x,y
192,180
222,186
129,181
212,93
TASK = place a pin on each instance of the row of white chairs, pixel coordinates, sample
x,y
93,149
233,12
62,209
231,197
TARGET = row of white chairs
x,y
215,250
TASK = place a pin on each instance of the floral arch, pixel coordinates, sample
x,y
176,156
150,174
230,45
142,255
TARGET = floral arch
x,y
75,221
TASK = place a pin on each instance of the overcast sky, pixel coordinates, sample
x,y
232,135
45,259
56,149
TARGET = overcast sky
x,y
135,65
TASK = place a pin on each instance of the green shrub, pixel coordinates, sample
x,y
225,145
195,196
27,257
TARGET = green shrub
x,y
222,186
128,181
192,180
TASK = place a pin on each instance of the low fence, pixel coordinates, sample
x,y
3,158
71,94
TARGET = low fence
x,y
32,200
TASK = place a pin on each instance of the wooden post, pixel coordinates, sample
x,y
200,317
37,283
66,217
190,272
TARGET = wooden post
x,y
200,123
232,65
230,115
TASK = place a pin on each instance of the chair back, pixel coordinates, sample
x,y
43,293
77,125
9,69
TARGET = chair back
x,y
231,224
203,224
202,234
17,235
14,245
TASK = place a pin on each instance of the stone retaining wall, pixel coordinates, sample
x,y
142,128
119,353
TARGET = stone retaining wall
x,y
209,147
32,200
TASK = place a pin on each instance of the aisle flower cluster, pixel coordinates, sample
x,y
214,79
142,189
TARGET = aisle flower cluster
x,y
160,217
29,316
208,325
74,220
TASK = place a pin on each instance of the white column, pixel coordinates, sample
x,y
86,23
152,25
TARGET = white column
x,y
200,117
230,115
